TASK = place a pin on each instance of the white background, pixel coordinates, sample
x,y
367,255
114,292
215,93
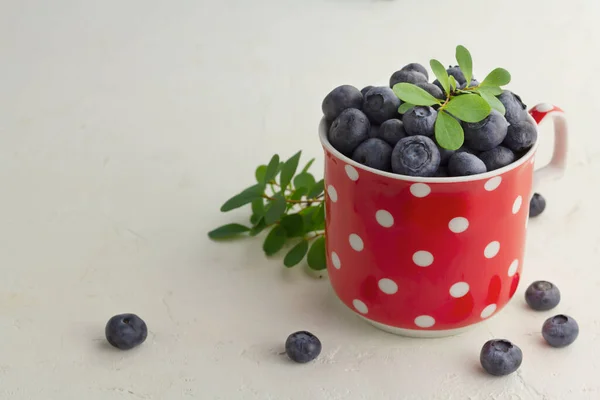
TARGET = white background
x,y
124,125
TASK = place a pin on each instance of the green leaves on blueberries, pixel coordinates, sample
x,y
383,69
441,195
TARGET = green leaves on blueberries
x,y
498,77
413,94
441,74
493,101
448,132
465,62
404,107
468,108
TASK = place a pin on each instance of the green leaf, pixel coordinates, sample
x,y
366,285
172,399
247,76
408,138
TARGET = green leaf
x,y
258,227
413,94
441,74
453,83
289,169
308,164
293,225
493,102
305,180
465,62
316,190
274,240
404,107
254,219
260,173
493,90
227,231
272,169
498,77
468,107
319,218
258,207
296,254
316,255
448,132
298,193
275,209
246,196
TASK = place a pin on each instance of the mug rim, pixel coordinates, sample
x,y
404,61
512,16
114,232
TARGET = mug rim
x,y
426,179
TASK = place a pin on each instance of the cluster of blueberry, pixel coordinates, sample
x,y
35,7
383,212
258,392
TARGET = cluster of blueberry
x,y
366,125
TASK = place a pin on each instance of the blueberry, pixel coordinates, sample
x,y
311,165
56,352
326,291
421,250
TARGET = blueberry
x,y
465,149
439,85
374,131
445,155
374,153
463,164
407,77
366,89
432,90
560,330
416,67
420,120
474,82
380,104
126,331
497,157
391,131
500,357
349,130
415,156
520,136
487,133
457,74
542,296
537,205
302,347
516,111
339,99
442,172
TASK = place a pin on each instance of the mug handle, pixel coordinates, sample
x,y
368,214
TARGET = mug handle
x,y
557,165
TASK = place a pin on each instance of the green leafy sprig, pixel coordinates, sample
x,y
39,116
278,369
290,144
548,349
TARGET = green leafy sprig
x,y
469,104
287,203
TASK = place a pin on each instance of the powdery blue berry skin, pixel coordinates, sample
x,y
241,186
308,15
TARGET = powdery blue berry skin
x,y
497,158
516,111
520,136
542,296
126,331
445,155
560,330
416,67
406,77
464,164
302,347
457,73
486,134
537,205
340,99
432,90
474,82
391,131
349,130
500,357
374,153
366,89
420,120
380,104
415,156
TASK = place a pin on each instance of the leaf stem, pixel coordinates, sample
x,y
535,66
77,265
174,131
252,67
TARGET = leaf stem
x,y
294,201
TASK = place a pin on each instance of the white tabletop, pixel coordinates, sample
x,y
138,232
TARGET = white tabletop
x,y
124,125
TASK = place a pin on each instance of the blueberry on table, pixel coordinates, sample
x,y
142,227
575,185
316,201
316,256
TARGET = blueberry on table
x,y
416,67
560,330
487,133
420,120
302,347
464,164
516,111
380,104
126,331
537,205
391,131
520,136
349,130
500,357
457,73
404,76
415,156
366,89
432,90
340,99
497,158
542,296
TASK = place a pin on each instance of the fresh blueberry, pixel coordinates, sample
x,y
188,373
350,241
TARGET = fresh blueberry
x,y
457,74
560,330
374,153
349,130
465,149
374,131
497,157
463,164
391,131
500,357
340,99
302,347
415,156
516,111
487,133
432,90
474,82
365,90
407,77
537,205
439,85
520,136
445,155
381,104
416,67
542,296
442,172
126,331
420,120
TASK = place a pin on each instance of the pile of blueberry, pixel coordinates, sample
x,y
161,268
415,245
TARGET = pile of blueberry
x,y
366,126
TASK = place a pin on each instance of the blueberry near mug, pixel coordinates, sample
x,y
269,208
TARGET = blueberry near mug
x,y
430,257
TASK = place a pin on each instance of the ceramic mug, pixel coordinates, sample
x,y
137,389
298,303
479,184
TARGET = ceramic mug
x,y
430,257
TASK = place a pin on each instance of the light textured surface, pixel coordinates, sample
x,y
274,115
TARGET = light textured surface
x,y
125,124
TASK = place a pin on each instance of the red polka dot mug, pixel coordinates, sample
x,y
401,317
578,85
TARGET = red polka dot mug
x,y
430,257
